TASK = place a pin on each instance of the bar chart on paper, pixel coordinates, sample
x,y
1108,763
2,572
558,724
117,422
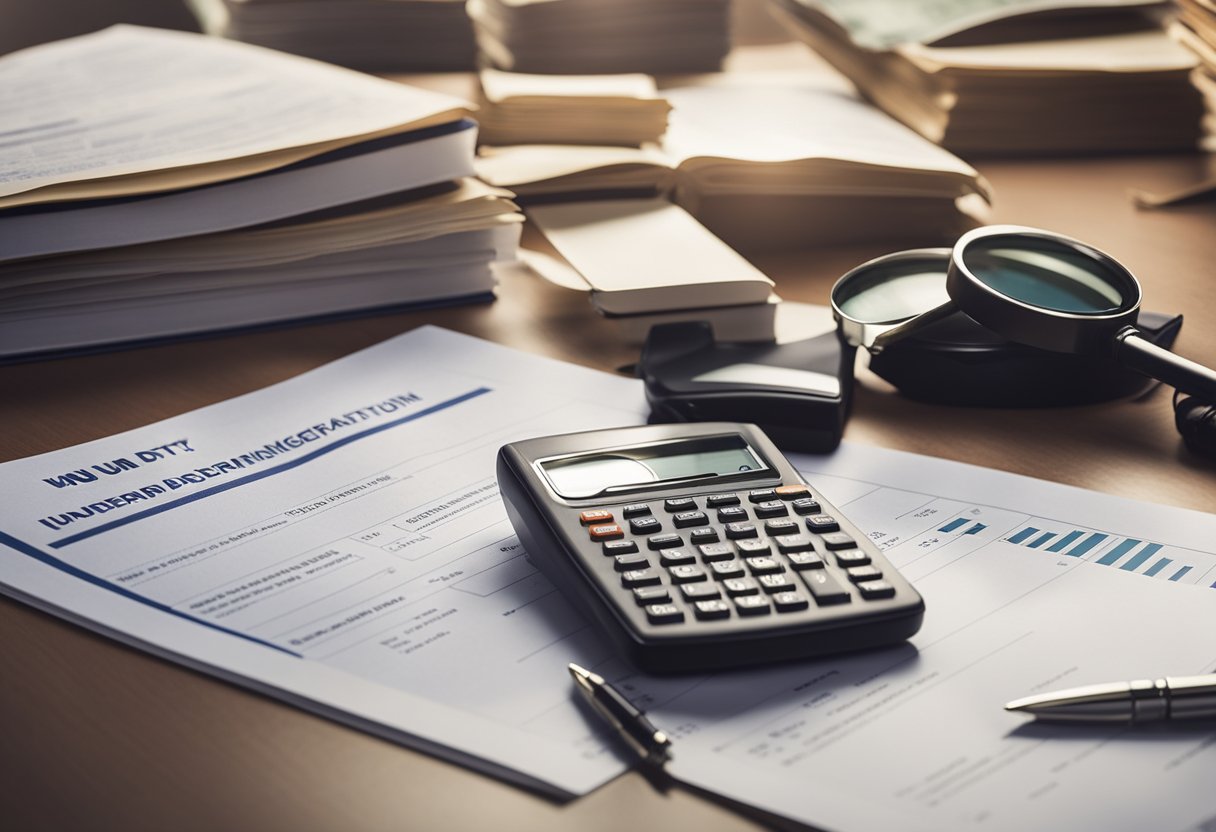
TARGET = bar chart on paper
x,y
912,526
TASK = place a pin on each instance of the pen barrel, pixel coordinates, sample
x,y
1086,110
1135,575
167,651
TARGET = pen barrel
x,y
1192,697
646,740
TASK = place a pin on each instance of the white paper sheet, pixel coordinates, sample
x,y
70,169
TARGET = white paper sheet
x,y
358,561
915,737
130,99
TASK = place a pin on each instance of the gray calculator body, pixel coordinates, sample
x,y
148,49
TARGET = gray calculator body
x,y
699,547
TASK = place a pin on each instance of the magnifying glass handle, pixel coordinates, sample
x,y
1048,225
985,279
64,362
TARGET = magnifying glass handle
x,y
1138,353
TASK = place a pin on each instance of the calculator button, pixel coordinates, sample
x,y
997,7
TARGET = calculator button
x,y
790,601
876,589
795,543
777,528
644,525
732,514
664,614
776,583
804,505
791,492
620,547
771,508
764,566
711,552
675,504
761,495
647,595
738,531
719,500
687,574
805,560
822,524
595,517
860,574
676,557
851,557
715,608
752,605
665,541
635,510
703,536
727,569
700,592
752,547
685,519
838,540
824,588
640,577
630,563
608,532
741,586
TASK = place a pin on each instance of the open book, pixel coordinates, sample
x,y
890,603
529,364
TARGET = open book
x,y
766,166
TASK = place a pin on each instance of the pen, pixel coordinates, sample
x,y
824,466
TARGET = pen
x,y
651,744
1142,700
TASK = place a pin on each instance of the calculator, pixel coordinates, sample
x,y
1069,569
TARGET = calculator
x,y
699,547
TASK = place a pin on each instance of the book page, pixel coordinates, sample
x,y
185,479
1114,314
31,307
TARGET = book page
x,y
499,86
788,124
1149,51
129,100
881,24
509,167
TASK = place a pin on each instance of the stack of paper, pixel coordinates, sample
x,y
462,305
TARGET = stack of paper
x,y
1195,28
768,167
1006,76
162,183
372,35
602,36
517,108
671,269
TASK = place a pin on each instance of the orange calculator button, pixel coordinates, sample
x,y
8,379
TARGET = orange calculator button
x,y
789,492
609,532
594,516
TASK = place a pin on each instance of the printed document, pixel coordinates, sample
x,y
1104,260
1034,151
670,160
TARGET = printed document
x,y
338,541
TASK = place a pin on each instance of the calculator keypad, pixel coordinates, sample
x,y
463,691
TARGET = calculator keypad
x,y
754,554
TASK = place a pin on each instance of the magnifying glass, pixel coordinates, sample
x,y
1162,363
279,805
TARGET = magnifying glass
x,y
1029,286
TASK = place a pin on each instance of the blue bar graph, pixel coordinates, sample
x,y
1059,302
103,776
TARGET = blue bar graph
x,y
1085,545
1062,544
976,529
1137,560
1157,567
1039,541
1180,573
953,524
1023,534
1119,551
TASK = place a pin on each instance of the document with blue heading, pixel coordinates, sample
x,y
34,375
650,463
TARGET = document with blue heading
x,y
338,541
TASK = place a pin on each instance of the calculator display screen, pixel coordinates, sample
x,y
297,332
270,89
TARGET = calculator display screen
x,y
699,460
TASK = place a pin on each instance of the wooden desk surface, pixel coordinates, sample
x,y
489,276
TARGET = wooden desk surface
x,y
96,735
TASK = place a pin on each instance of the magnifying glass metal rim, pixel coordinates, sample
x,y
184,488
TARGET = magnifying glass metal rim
x,y
1082,332
873,335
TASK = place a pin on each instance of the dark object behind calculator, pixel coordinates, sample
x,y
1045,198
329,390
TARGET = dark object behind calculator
x,y
956,361
798,393
699,547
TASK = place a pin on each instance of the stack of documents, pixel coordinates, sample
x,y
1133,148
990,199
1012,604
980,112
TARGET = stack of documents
x,y
1008,77
768,167
185,184
517,108
602,36
372,35
1195,29
672,268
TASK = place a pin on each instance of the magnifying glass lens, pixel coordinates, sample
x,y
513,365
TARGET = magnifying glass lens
x,y
893,292
1045,273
